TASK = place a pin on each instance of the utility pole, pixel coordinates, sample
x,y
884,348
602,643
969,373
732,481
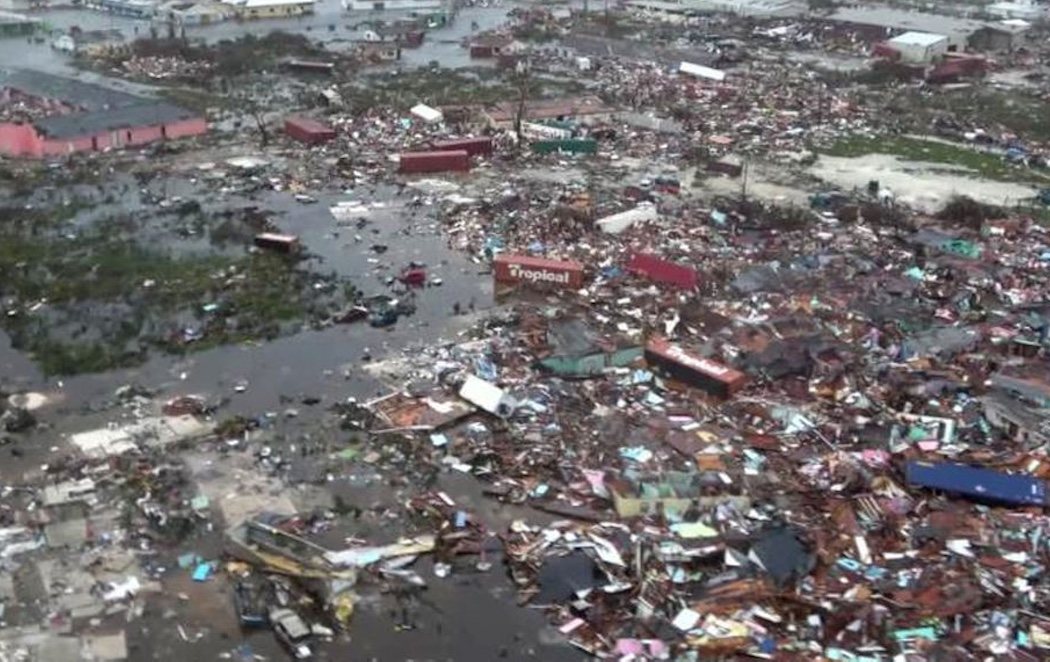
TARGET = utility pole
x,y
745,171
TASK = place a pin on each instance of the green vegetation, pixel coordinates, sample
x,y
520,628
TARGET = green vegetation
x,y
984,164
1022,113
94,299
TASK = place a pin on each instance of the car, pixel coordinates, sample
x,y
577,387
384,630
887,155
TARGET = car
x,y
250,601
292,631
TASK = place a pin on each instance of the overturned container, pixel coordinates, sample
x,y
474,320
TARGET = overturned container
x,y
706,374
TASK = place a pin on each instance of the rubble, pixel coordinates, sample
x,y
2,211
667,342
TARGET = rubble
x,y
589,324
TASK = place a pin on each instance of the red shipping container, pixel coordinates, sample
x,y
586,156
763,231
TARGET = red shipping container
x,y
662,271
308,131
418,162
537,270
711,376
472,146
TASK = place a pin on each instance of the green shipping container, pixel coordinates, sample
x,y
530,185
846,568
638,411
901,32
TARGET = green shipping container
x,y
571,145
589,365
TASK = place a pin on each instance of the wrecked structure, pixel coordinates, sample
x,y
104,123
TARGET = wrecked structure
x,y
682,339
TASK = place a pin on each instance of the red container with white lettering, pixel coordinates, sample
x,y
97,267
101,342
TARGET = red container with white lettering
x,y
528,270
711,376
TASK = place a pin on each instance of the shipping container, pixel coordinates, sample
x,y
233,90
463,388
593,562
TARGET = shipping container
x,y
537,271
708,375
472,146
308,131
456,160
663,271
569,146
978,484
284,243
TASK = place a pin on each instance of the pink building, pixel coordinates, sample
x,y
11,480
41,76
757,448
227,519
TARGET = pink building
x,y
69,116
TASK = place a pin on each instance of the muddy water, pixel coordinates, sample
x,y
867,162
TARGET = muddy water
x,y
466,616
312,360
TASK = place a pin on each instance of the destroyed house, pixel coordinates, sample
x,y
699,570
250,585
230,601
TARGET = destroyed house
x,y
673,492
495,46
81,117
586,110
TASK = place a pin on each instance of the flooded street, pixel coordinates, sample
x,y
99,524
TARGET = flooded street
x,y
330,24
526,332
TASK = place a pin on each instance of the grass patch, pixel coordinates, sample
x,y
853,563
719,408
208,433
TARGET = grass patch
x,y
983,164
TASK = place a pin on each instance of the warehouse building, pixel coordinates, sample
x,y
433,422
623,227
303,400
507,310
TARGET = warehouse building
x,y
64,116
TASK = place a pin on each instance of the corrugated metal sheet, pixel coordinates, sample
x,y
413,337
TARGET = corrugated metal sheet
x,y
587,365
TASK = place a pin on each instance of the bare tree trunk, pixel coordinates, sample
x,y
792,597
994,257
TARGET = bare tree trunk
x,y
260,124
523,100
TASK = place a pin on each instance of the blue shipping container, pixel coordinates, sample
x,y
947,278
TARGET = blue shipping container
x,y
982,484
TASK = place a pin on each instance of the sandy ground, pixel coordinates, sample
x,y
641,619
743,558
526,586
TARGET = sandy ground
x,y
925,186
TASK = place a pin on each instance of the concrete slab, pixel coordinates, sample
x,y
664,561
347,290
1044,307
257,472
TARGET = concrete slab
x,y
58,648
71,533
105,647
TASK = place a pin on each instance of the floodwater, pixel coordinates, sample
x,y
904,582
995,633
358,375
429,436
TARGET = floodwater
x,y
391,236
330,24
469,615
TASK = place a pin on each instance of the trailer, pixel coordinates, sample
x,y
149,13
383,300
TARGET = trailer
x,y
978,483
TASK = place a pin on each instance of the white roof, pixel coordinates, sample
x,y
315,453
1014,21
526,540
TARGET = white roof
x,y
426,113
918,39
487,396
